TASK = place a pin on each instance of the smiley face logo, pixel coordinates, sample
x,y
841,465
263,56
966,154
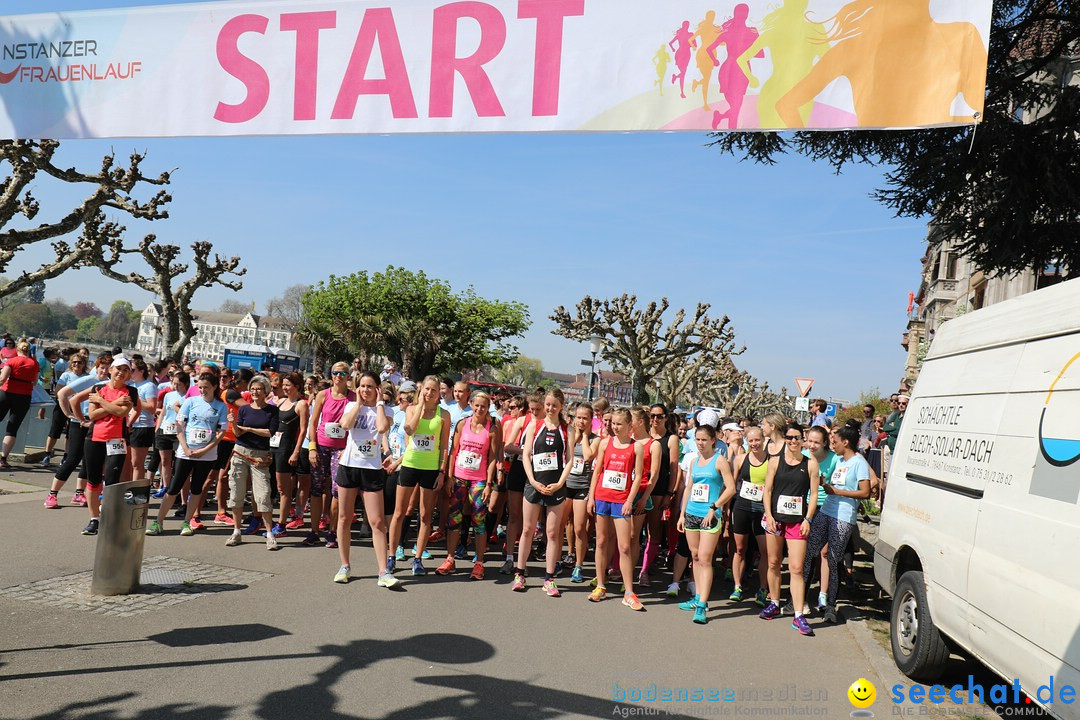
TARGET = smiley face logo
x,y
862,693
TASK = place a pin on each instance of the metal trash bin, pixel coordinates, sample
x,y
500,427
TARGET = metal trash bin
x,y
121,535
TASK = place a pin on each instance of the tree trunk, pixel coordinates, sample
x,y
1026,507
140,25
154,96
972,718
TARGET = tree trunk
x,y
639,389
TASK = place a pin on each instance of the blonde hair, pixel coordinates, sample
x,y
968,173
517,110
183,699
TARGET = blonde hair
x,y
482,395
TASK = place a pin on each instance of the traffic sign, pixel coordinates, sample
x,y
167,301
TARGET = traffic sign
x,y
830,410
587,363
804,385
802,404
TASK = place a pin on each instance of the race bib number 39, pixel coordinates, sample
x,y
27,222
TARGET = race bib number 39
x,y
116,447
545,461
752,492
615,480
790,505
423,443
699,492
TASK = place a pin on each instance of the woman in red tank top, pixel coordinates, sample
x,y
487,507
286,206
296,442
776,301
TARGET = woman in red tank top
x,y
617,476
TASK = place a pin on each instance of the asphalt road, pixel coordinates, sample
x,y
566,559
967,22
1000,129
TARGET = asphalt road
x,y
295,645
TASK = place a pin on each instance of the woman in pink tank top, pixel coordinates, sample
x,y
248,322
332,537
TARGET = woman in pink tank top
x,y
476,454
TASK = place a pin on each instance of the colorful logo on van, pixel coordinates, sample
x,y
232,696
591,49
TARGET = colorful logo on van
x,y
1055,427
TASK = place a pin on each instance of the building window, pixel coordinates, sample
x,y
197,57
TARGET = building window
x,y
935,269
951,261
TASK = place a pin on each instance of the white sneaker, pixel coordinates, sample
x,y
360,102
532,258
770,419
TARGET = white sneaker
x,y
673,590
387,580
235,539
691,588
271,542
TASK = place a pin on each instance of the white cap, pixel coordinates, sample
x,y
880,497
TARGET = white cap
x,y
708,417
731,427
120,360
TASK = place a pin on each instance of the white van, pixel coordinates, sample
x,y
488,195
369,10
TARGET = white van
x,y
979,543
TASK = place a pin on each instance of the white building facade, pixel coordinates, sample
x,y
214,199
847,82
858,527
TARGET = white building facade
x,y
213,331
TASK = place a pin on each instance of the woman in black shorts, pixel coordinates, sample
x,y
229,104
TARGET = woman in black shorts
x,y
747,512
291,465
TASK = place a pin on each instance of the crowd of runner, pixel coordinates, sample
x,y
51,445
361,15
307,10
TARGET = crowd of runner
x,y
499,479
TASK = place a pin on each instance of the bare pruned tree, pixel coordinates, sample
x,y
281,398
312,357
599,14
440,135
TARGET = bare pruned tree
x,y
165,271
289,308
640,345
27,162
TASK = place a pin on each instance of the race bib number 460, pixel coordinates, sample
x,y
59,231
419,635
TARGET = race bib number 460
x,y
615,480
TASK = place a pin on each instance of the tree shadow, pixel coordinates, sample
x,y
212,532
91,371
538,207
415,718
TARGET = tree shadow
x,y
467,695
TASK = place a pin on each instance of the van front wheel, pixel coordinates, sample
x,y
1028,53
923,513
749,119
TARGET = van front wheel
x,y
918,648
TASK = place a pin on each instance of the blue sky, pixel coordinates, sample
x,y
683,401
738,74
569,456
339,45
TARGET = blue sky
x,y
813,273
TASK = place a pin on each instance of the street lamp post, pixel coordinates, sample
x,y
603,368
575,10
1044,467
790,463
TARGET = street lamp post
x,y
595,343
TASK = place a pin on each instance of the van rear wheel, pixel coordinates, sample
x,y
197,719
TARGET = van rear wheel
x,y
918,648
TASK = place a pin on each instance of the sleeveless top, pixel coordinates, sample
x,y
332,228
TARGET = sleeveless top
x,y
548,451
616,474
663,480
790,486
284,441
471,462
750,485
333,436
422,447
362,446
706,484
646,467
580,477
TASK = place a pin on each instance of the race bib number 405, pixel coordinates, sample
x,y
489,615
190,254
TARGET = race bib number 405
x,y
790,505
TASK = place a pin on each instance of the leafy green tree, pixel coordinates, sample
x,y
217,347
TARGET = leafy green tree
x,y
1006,191
36,292
27,319
414,320
63,316
525,371
120,326
87,329
866,397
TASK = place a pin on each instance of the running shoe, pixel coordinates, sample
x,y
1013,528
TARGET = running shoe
x,y
278,530
558,568
387,580
271,542
550,589
830,615
295,524
79,499
673,590
507,567
342,575
223,519
324,522
424,556
235,539
399,554
771,611
154,528
644,581
391,565
599,593
461,552
254,525
46,461
180,512
519,583
447,568
331,540
418,567
699,614
800,624
196,523
568,560
159,493
631,601
577,576
311,539
5,465
185,529
761,598
436,535
736,594
690,604
91,528
822,601
477,571
52,502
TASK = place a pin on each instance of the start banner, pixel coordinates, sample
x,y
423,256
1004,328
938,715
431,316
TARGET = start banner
x,y
296,67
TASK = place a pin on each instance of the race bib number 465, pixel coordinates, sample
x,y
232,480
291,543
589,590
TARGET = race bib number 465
x,y
545,461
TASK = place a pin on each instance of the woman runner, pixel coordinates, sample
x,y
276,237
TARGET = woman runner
x,y
326,439
291,465
751,470
585,446
660,429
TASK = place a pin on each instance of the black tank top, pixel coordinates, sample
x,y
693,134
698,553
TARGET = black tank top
x,y
549,448
790,487
744,477
288,421
663,480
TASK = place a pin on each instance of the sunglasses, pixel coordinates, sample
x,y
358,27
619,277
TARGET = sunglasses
x,y
78,362
658,416
340,373
793,437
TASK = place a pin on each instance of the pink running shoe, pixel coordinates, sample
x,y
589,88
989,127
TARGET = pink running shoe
x,y
51,502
